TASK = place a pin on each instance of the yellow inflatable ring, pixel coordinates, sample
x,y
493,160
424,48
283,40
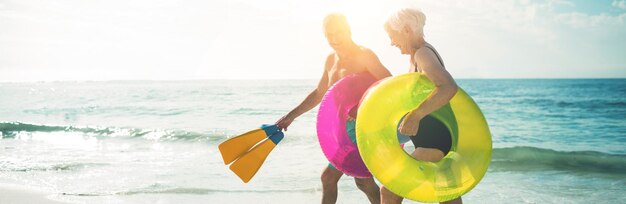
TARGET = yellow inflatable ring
x,y
376,128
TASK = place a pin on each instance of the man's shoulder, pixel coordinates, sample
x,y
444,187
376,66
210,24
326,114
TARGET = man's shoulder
x,y
331,55
330,60
365,49
368,54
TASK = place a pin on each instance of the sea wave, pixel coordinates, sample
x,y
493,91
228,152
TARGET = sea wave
x,y
503,159
8,166
12,129
164,189
538,159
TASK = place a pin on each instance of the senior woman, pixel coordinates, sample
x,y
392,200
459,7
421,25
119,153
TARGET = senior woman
x,y
430,136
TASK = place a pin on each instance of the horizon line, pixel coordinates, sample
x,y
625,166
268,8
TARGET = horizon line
x,y
284,79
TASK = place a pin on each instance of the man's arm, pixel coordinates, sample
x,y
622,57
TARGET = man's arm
x,y
312,100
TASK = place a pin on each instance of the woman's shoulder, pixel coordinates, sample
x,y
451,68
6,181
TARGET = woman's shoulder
x,y
426,54
423,53
426,47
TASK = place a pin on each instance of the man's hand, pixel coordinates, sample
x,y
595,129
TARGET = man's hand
x,y
284,122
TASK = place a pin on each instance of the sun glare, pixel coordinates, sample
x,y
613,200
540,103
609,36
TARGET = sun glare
x,y
361,12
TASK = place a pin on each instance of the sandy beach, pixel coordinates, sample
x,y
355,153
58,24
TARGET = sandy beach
x,y
18,194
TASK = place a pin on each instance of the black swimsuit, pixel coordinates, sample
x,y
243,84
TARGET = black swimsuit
x,y
432,133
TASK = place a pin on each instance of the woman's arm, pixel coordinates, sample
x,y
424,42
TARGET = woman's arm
x,y
445,89
445,86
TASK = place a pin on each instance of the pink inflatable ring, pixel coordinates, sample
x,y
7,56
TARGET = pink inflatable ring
x,y
337,146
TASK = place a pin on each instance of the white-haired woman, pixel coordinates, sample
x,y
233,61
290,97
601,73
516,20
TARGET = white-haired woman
x,y
431,138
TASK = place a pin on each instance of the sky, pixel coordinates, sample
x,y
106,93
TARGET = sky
x,y
57,40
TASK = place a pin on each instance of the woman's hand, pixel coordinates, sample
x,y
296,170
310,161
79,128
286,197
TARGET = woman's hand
x,y
410,124
284,122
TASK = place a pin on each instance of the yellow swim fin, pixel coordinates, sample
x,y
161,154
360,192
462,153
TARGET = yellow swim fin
x,y
237,146
248,164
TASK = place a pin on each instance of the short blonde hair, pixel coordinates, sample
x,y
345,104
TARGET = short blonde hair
x,y
413,18
337,19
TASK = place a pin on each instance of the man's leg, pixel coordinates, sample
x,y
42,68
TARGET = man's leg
x,y
369,187
330,177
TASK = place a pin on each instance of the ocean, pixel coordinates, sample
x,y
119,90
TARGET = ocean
x,y
555,141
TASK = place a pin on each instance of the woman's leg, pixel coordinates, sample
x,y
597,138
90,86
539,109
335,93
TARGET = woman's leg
x,y
422,154
454,201
433,155
388,197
